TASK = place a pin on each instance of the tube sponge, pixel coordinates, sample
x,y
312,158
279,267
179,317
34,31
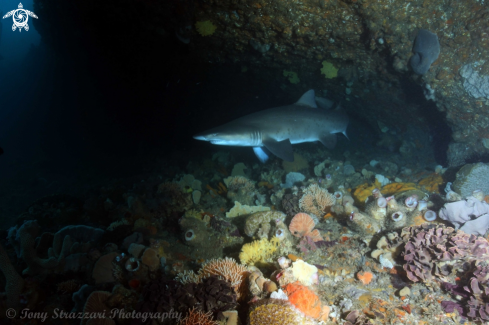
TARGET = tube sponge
x,y
426,50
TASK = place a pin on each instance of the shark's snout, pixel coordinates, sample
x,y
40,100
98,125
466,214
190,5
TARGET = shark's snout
x,y
200,137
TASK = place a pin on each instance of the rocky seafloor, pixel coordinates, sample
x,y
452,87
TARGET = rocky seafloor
x,y
331,239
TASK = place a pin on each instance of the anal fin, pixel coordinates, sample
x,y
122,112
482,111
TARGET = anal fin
x,y
281,149
328,140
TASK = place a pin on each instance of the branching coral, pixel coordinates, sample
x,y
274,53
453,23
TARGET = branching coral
x,y
211,295
226,269
316,199
198,317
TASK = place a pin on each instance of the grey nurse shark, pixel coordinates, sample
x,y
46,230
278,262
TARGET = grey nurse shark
x,y
276,129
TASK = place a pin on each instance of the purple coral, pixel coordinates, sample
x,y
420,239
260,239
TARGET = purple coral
x,y
474,295
427,245
307,244
451,306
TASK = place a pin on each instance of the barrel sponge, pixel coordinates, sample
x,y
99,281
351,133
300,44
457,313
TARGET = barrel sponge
x,y
14,282
426,50
275,312
472,177
205,28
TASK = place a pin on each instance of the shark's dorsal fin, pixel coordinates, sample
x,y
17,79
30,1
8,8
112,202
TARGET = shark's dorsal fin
x,y
281,149
308,99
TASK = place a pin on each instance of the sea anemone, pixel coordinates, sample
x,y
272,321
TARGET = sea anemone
x,y
284,262
411,202
189,235
422,205
280,234
397,216
376,193
430,215
338,195
381,202
132,264
392,203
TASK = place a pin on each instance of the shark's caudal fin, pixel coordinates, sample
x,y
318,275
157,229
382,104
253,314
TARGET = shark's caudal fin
x,y
308,99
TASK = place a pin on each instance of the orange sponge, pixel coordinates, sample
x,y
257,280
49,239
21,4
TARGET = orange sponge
x,y
304,299
365,277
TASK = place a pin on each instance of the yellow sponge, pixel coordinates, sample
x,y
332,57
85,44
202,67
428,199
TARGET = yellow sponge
x,y
329,70
258,251
205,28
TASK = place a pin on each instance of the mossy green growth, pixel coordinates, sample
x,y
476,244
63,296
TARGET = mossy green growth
x,y
293,78
329,70
205,28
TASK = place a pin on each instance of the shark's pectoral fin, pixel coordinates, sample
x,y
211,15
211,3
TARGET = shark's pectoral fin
x,y
328,140
261,154
281,149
